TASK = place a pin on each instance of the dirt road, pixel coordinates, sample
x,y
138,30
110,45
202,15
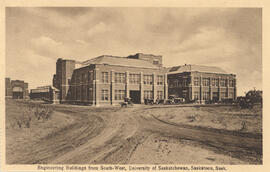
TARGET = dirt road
x,y
117,135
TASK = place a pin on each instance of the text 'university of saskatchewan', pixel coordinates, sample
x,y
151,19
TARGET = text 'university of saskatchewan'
x,y
130,168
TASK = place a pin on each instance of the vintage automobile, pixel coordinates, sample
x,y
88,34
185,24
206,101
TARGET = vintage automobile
x,y
173,99
127,102
148,101
245,102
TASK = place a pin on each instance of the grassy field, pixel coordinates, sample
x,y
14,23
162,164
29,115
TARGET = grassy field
x,y
229,118
21,137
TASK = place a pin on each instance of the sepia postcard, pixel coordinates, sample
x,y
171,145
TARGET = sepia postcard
x,y
152,86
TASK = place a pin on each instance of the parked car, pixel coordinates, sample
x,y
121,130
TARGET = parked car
x,y
148,101
173,99
127,102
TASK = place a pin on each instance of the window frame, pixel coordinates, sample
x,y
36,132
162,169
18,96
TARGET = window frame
x,y
119,78
105,77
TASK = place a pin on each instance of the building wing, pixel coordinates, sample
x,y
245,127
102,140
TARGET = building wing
x,y
196,68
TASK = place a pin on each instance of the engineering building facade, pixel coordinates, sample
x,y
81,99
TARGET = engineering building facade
x,y
16,89
201,83
107,80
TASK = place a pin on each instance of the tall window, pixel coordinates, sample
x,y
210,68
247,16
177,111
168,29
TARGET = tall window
x,y
223,82
159,80
206,82
148,94
171,84
104,77
119,94
120,78
196,95
205,95
215,82
196,81
223,95
148,79
104,95
82,77
175,83
78,78
215,95
160,94
231,83
184,82
134,78
90,75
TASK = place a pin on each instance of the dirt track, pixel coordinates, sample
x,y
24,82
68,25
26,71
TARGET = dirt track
x,y
117,135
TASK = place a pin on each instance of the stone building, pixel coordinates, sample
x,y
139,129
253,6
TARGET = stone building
x,y
202,83
106,80
16,89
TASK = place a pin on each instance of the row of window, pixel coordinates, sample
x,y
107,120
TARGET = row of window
x,y
89,76
178,83
149,94
206,82
206,95
133,78
120,94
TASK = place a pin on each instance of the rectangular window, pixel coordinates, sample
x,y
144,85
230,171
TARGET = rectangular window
x,y
119,94
120,78
205,96
155,62
223,94
82,77
134,78
231,83
104,95
184,82
223,82
90,93
206,82
90,76
160,94
175,83
231,95
196,81
215,95
196,95
105,78
171,84
215,82
148,79
159,80
148,94
78,79
184,94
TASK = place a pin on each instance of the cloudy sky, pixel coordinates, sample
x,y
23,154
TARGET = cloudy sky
x,y
230,38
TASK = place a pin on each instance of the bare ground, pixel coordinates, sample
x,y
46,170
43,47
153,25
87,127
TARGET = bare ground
x,y
140,134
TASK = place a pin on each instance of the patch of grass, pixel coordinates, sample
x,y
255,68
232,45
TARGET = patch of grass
x,y
31,112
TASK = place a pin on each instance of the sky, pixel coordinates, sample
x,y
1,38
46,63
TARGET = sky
x,y
230,38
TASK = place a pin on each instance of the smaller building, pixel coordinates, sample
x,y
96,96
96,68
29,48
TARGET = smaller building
x,y
16,89
46,93
201,83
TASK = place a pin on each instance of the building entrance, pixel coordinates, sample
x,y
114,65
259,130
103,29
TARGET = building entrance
x,y
135,97
17,92
17,95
